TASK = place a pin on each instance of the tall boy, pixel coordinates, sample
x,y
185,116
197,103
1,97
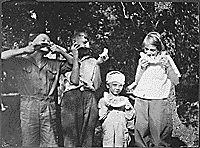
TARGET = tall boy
x,y
79,106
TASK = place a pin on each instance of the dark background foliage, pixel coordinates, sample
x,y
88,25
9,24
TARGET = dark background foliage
x,y
120,26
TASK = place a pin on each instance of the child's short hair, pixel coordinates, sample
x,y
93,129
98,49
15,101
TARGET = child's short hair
x,y
77,33
153,38
29,37
115,76
82,51
32,36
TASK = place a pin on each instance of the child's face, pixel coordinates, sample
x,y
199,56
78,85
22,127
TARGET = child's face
x,y
115,88
42,39
151,50
82,40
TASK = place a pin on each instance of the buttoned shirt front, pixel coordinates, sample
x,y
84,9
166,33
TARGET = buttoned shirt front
x,y
33,80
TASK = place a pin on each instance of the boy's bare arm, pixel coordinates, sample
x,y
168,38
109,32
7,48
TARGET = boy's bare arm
x,y
75,75
56,48
12,53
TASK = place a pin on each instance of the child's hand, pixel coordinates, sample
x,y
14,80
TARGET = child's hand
x,y
74,49
144,63
128,89
103,56
55,49
30,49
165,62
107,103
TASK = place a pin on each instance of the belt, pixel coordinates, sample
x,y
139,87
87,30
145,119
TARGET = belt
x,y
48,100
149,99
39,97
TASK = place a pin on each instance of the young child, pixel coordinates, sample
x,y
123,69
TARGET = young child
x,y
155,76
115,112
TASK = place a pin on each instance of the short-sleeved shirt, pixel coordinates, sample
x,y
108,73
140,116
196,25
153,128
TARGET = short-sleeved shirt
x,y
90,76
31,79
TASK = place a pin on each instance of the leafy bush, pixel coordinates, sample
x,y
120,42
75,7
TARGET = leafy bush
x,y
120,26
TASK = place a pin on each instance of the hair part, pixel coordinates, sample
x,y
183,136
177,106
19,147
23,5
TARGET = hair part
x,y
153,38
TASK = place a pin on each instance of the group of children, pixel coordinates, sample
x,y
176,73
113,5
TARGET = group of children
x,y
151,116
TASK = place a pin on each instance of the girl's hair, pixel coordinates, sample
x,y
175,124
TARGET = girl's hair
x,y
153,38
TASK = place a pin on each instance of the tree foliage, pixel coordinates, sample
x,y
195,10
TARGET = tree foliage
x,y
120,26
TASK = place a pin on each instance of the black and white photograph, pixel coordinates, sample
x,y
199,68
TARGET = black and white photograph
x,y
99,73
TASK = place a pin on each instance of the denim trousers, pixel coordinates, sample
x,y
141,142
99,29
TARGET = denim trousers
x,y
38,122
78,116
153,125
